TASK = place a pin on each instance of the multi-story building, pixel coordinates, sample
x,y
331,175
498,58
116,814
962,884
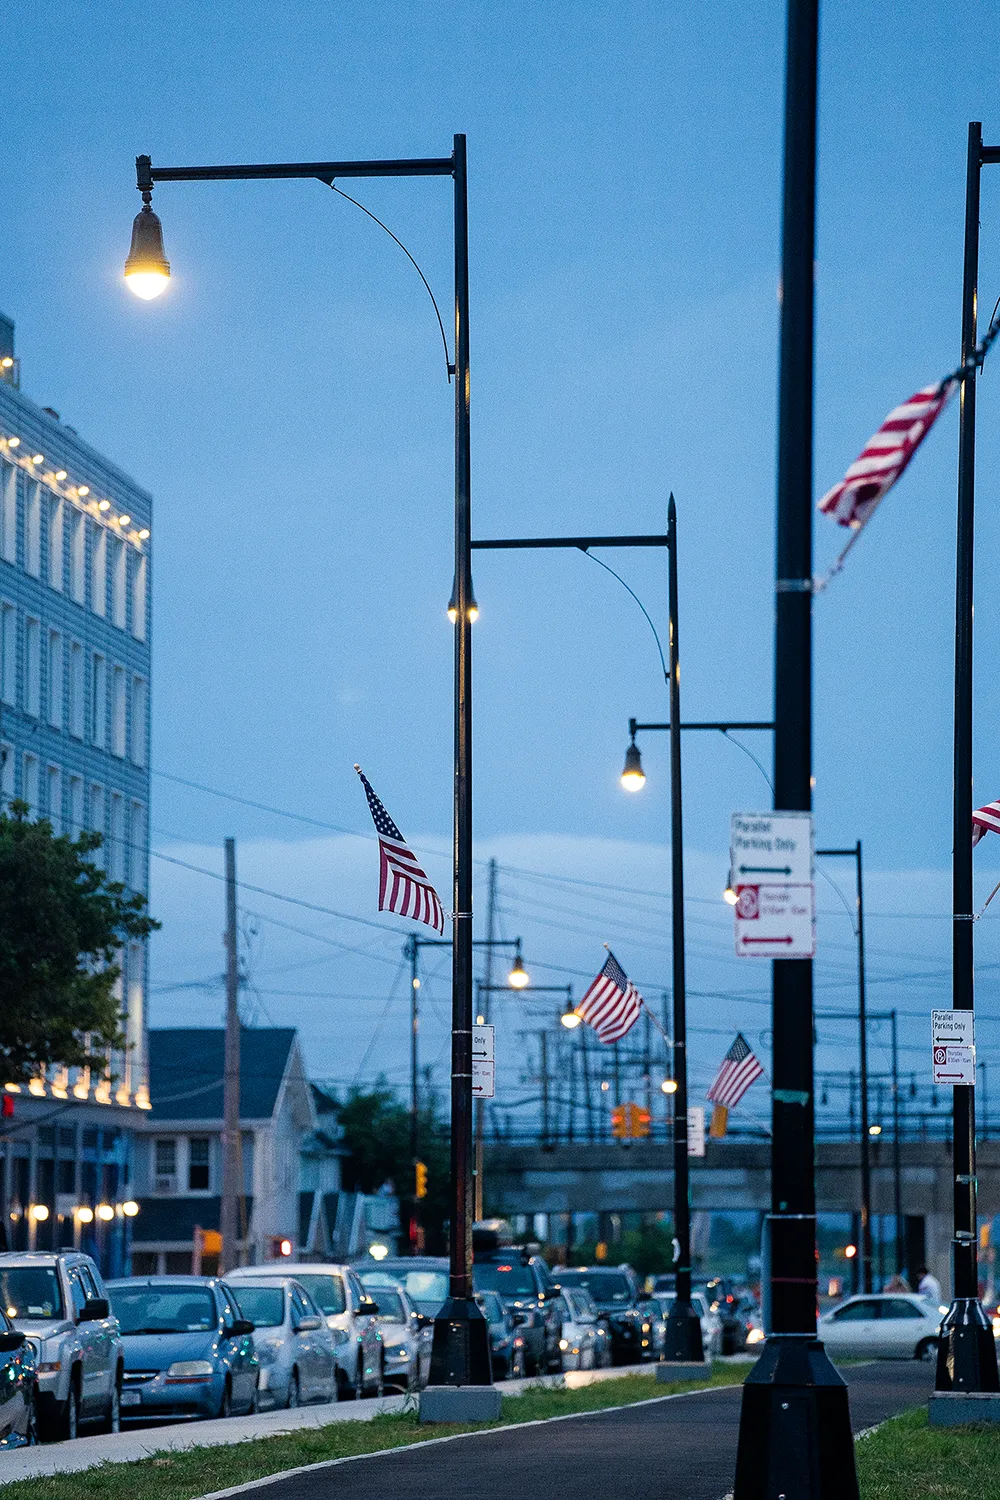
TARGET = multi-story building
x,y
74,745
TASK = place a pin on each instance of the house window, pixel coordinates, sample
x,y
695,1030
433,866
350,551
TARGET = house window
x,y
76,695
118,725
139,589
29,784
53,798
137,848
99,573
78,557
75,806
139,702
55,679
8,512
198,1164
33,668
99,701
8,653
33,531
116,839
6,775
165,1156
97,809
56,510
118,566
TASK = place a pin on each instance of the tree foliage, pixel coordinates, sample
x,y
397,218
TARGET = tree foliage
x,y
376,1132
62,923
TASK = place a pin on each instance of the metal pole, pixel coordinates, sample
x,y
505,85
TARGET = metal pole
x,y
683,1340
413,948
866,1162
480,1104
231,1185
543,1057
897,1167
967,1353
461,1354
795,1430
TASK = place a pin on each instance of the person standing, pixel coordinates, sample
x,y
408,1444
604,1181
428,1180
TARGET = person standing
x,y
928,1286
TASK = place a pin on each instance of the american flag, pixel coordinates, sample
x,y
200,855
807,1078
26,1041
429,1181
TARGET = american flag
x,y
402,885
885,456
612,1003
738,1071
983,820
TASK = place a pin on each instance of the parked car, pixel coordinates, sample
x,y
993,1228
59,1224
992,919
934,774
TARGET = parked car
x,y
723,1295
586,1339
189,1352
60,1302
406,1335
18,1387
624,1304
529,1294
349,1315
295,1348
883,1327
424,1279
506,1340
711,1323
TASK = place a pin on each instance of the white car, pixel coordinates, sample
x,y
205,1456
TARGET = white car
x,y
295,1348
893,1325
582,1344
345,1305
406,1349
711,1323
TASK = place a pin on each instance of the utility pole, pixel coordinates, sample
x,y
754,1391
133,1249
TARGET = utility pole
x,y
543,1056
795,1434
412,951
897,1168
232,1187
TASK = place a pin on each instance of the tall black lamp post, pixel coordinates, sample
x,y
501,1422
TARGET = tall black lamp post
x,y
461,1353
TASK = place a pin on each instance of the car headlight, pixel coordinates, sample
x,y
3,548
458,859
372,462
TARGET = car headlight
x,y
564,1343
190,1369
755,1336
339,1335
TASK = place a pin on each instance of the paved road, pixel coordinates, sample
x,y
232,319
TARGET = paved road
x,y
688,1444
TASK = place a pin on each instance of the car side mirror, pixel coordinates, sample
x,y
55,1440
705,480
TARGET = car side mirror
x,y
238,1328
93,1310
9,1342
368,1306
308,1324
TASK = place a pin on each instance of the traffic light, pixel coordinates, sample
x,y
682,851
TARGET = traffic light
x,y
421,1182
619,1123
280,1247
639,1120
629,1120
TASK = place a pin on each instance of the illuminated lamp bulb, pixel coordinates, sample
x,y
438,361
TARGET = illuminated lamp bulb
x,y
633,777
144,534
38,458
147,269
518,978
103,505
13,442
85,1215
105,1212
39,1212
60,474
730,896
571,1019
669,1085
83,491
130,1208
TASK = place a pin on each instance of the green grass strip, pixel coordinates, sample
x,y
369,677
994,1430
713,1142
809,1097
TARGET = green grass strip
x,y
200,1471
908,1460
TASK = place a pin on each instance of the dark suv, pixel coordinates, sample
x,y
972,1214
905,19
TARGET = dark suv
x,y
530,1296
622,1304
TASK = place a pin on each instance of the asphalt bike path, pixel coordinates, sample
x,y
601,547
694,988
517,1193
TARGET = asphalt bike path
x,y
684,1447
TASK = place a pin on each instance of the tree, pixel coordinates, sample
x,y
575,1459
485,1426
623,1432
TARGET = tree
x,y
376,1126
62,923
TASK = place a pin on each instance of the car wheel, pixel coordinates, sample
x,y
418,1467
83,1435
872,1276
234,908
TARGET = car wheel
x,y
517,1365
927,1350
69,1423
226,1404
254,1406
112,1421
292,1399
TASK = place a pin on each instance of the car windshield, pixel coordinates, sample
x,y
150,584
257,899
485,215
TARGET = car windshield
x,y
427,1289
603,1286
327,1291
264,1306
389,1304
509,1278
163,1309
31,1292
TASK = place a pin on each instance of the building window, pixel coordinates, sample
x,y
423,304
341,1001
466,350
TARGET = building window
x,y
137,848
165,1157
118,723
78,557
6,775
139,706
56,543
53,798
76,693
116,839
33,667
33,531
55,679
8,512
99,701
29,784
198,1164
8,653
97,809
99,573
139,593
75,806
118,566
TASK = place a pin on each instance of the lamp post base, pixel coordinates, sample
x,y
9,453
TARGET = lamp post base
x,y
683,1342
967,1356
460,1354
795,1427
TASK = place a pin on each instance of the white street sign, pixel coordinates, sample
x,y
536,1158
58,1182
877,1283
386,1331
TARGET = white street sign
x,y
483,1038
955,1026
483,1078
696,1130
955,1065
771,870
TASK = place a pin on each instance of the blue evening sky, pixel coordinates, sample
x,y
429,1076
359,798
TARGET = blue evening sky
x,y
286,403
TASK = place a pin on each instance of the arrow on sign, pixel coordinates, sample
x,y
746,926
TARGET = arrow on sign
x,y
765,869
766,939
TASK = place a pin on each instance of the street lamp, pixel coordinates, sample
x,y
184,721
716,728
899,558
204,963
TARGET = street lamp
x,y
461,1354
518,978
633,778
571,1019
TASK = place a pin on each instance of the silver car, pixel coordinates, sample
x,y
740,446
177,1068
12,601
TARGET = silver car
x,y
406,1348
585,1344
344,1304
295,1348
59,1301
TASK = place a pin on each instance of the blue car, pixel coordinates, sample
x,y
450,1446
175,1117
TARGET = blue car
x,y
189,1351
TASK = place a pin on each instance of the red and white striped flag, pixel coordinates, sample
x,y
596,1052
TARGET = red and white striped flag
x,y
738,1071
402,885
612,1003
985,819
885,456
